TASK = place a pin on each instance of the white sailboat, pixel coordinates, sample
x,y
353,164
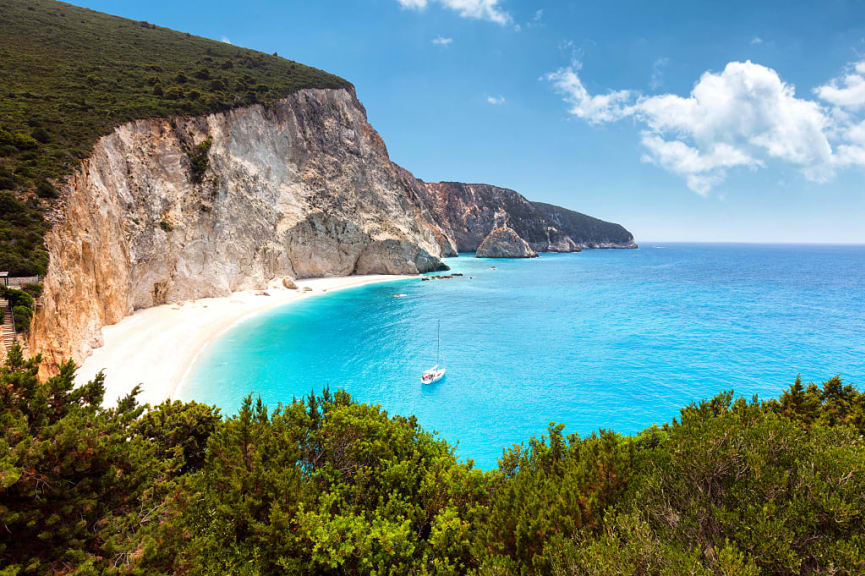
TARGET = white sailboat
x,y
435,373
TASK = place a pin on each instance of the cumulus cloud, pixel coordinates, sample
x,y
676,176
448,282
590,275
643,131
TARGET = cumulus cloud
x,y
225,40
848,91
442,41
496,100
756,40
743,116
593,109
477,9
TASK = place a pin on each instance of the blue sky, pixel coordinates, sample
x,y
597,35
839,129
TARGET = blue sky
x,y
695,121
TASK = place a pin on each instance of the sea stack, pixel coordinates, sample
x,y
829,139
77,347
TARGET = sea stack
x,y
504,243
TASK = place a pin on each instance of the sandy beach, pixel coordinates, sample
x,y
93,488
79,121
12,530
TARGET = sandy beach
x,y
156,347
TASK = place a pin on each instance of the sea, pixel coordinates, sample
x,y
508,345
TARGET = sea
x,y
601,339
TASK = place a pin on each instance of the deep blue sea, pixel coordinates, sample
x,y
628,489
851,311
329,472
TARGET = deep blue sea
x,y
616,339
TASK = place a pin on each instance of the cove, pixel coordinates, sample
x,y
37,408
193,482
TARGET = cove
x,y
615,339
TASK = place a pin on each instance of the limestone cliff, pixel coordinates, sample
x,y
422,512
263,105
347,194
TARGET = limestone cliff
x,y
504,243
167,210
585,231
302,188
469,212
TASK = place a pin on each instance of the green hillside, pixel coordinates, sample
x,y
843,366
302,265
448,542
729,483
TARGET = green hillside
x,y
69,75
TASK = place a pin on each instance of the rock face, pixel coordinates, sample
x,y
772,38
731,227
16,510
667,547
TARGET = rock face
x,y
469,212
504,243
585,231
304,188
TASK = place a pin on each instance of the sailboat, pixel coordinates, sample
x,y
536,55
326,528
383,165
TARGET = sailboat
x,y
435,373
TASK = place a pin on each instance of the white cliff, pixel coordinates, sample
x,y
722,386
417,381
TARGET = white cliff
x,y
303,188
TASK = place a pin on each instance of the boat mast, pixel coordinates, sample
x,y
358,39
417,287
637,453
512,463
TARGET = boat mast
x,y
438,342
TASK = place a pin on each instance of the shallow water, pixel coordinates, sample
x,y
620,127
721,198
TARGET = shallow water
x,y
614,339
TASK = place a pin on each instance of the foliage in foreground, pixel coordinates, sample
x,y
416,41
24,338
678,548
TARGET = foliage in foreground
x,y
70,75
328,486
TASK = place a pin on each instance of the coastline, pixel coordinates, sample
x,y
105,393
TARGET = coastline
x,y
156,347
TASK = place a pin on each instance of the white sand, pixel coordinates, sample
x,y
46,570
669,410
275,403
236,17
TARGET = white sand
x,y
156,347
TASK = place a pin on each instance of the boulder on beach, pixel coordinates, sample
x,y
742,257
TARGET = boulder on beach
x,y
504,243
289,283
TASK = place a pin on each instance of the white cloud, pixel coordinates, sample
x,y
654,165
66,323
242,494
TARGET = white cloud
x,y
442,41
847,91
756,40
593,109
477,9
658,73
496,100
225,39
743,116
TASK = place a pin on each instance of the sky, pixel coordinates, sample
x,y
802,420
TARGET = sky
x,y
716,121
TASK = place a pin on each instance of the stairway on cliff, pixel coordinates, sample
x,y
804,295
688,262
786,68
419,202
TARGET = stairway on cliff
x,y
7,333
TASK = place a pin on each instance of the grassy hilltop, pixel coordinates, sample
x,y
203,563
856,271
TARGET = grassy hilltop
x,y
70,75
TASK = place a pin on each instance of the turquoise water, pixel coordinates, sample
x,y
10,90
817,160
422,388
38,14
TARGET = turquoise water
x,y
602,339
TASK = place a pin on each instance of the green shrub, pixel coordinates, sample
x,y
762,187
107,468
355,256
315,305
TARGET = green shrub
x,y
41,135
7,179
199,160
22,316
17,297
45,189
174,93
24,141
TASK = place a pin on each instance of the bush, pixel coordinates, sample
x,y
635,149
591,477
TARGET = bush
x,y
7,179
45,189
22,315
174,93
199,160
41,135
17,297
24,141
33,289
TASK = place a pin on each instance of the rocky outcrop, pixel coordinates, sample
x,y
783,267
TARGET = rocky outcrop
x,y
469,212
303,188
504,243
585,231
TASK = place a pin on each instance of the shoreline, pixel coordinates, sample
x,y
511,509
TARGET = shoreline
x,y
157,347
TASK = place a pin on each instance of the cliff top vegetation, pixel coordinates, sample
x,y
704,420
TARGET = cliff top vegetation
x,y
70,75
